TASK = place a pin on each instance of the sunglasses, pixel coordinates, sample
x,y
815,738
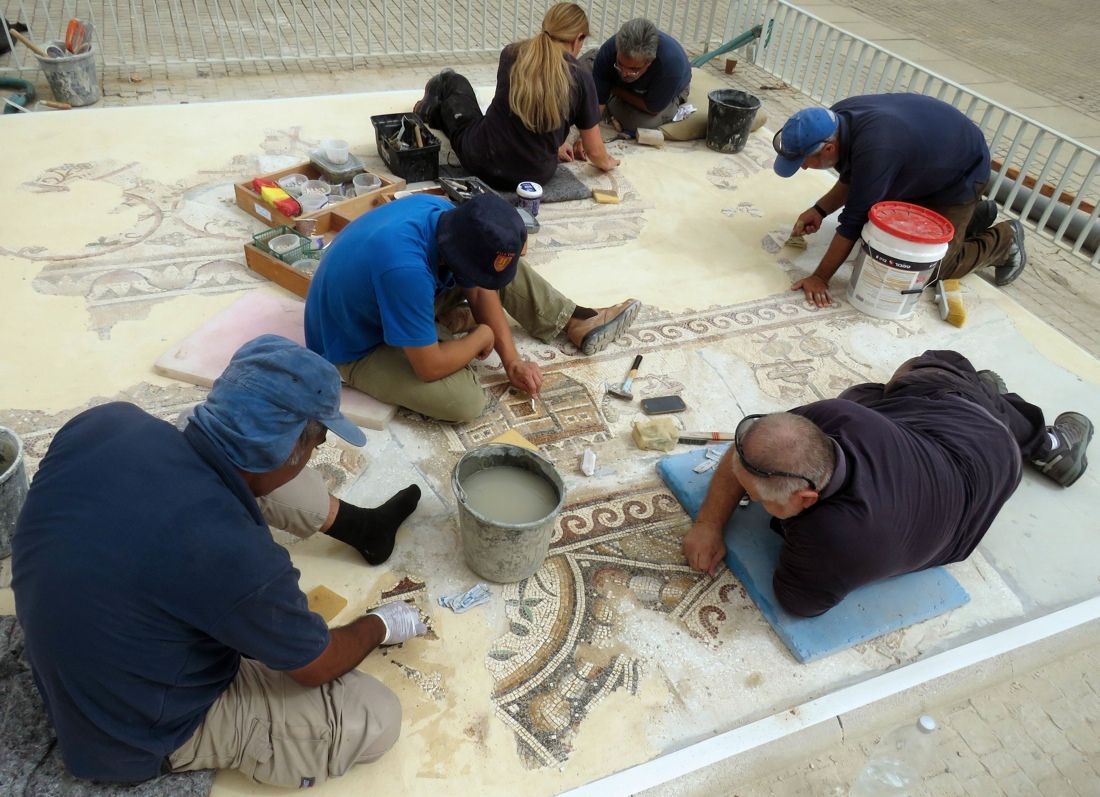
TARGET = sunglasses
x,y
739,434
777,145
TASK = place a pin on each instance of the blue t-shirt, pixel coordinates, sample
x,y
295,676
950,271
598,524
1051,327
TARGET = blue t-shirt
x,y
666,78
906,148
143,571
378,282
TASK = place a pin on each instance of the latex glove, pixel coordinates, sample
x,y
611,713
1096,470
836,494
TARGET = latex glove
x,y
402,622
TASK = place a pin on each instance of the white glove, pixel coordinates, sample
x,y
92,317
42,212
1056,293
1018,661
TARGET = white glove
x,y
401,620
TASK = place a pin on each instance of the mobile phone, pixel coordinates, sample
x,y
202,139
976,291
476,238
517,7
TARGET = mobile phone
x,y
659,405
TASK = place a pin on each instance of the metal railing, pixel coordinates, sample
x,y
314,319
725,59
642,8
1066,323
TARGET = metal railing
x,y
1038,173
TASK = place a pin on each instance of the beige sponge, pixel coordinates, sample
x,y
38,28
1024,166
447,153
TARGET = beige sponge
x,y
605,197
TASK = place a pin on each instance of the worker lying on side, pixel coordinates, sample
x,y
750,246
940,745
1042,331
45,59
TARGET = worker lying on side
x,y
164,626
898,147
885,480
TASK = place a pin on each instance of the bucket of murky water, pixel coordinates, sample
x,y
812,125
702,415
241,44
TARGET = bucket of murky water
x,y
508,501
13,486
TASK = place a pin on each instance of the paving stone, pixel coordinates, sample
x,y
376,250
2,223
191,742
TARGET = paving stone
x,y
1062,712
984,785
1016,785
1034,763
945,785
975,731
1084,737
1000,763
1078,771
1056,786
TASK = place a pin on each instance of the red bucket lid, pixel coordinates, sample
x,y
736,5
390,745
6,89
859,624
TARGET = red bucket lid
x,y
912,223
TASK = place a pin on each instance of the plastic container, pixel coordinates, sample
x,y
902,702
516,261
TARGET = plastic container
x,y
412,163
335,173
13,486
293,183
902,245
291,246
897,764
72,78
312,202
281,244
336,150
729,119
365,183
316,187
530,196
504,552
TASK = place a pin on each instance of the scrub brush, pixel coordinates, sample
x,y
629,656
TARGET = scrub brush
x,y
949,299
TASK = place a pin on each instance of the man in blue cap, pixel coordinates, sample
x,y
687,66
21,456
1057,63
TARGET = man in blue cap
x,y
906,148
164,626
401,284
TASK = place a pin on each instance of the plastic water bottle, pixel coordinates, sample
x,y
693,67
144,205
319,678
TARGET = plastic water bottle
x,y
898,762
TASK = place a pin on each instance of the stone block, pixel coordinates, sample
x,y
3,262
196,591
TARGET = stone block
x,y
1000,763
977,733
1017,785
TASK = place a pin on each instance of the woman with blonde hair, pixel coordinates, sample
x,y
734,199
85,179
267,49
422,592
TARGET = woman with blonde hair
x,y
541,92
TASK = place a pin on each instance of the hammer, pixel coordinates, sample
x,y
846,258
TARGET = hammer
x,y
623,392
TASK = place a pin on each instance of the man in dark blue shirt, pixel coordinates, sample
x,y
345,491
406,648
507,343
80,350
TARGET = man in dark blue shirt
x,y
885,480
898,147
642,75
164,626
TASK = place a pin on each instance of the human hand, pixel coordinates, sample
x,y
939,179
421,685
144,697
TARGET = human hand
x,y
816,290
487,340
578,150
704,548
565,152
525,375
402,622
807,223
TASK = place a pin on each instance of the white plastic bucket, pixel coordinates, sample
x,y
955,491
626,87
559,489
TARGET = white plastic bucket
x,y
902,245
530,196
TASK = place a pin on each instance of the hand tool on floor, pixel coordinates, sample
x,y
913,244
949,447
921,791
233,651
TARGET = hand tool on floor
x,y
795,239
34,48
702,438
623,391
949,300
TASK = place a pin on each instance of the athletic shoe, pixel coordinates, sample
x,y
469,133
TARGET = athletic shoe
x,y
1017,257
985,214
427,105
993,379
1067,461
592,335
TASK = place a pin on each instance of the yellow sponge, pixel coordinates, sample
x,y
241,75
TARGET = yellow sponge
x,y
605,197
325,602
512,437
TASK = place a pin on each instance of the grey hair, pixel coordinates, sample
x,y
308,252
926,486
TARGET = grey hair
x,y
637,39
313,434
788,442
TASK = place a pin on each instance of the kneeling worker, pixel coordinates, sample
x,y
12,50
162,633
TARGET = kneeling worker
x,y
885,480
164,626
387,304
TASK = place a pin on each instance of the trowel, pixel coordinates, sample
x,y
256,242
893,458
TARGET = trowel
x,y
623,391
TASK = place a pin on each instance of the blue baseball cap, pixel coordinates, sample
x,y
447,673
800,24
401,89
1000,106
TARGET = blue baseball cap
x,y
480,242
258,407
800,137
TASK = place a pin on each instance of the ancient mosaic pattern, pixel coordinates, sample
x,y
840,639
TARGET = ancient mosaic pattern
x,y
609,556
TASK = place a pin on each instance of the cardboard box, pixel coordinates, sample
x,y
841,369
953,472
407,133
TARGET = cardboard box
x,y
249,201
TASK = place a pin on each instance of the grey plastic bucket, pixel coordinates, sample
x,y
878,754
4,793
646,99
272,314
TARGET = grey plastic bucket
x,y
72,78
729,119
13,486
504,552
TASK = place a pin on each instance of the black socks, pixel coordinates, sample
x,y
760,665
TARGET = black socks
x,y
372,531
581,313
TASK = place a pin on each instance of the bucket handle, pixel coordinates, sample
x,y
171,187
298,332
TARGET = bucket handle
x,y
456,485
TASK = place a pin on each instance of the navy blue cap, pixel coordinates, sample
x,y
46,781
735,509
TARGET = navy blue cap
x,y
480,242
258,407
800,137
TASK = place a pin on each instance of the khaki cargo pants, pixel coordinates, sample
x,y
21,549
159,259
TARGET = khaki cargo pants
x,y
387,374
275,731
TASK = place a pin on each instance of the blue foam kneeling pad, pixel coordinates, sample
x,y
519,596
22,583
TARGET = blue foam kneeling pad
x,y
752,553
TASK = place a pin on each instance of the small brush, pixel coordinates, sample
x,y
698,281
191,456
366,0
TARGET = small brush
x,y
949,300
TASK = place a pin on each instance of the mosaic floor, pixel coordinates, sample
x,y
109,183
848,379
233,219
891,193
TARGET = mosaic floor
x,y
614,651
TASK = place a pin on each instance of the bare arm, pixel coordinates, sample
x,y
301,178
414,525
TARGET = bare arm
x,y
443,358
347,646
816,286
596,151
703,544
487,309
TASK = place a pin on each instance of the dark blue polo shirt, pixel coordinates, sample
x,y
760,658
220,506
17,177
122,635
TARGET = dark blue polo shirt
x,y
917,484
666,78
143,571
907,148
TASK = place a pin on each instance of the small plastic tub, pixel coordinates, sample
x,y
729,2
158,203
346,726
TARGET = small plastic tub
x,y
336,150
312,202
365,183
316,187
281,244
293,183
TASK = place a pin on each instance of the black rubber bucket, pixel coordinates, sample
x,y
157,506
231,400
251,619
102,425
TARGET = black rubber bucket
x,y
729,119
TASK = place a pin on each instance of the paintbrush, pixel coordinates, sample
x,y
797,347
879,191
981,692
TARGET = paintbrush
x,y
701,438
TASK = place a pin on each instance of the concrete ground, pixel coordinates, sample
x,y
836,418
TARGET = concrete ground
x,y
1038,732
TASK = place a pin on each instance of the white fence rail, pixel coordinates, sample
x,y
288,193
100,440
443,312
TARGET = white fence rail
x,y
1039,173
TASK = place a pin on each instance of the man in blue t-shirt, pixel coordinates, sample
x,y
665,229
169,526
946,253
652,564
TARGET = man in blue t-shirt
x,y
642,75
401,284
886,479
164,626
906,148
